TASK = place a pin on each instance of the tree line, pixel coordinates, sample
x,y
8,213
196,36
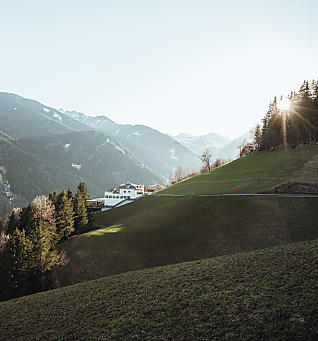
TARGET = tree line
x,y
291,126
179,174
29,240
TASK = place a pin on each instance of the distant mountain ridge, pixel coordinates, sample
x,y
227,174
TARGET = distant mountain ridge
x,y
22,117
42,149
158,151
218,145
198,144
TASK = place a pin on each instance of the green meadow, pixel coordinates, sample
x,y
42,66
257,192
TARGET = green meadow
x,y
255,173
268,294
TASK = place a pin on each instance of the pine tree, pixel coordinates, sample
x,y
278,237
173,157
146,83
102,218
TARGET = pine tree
x,y
82,188
70,194
64,215
53,197
27,220
82,217
29,252
18,271
13,221
80,209
257,138
44,253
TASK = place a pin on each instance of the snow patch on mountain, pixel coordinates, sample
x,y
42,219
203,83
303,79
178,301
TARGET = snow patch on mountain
x,y
57,116
66,146
172,154
78,167
46,109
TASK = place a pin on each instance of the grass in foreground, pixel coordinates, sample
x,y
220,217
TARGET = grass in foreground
x,y
254,173
163,230
268,294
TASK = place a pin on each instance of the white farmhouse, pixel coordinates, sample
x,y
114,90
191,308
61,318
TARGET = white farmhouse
x,y
122,195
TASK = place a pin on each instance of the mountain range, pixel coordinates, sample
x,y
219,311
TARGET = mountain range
x,y
43,149
219,146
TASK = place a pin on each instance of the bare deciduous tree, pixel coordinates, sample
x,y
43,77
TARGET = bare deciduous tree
x,y
205,158
177,175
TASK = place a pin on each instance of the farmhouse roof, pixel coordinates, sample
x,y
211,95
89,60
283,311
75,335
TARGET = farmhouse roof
x,y
127,186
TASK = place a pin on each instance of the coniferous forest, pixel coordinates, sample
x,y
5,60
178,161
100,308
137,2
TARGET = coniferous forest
x,y
289,122
30,236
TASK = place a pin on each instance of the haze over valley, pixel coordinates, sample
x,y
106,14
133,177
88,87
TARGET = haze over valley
x,y
43,149
159,170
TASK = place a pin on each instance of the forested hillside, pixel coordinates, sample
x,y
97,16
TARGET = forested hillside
x,y
43,149
289,122
38,165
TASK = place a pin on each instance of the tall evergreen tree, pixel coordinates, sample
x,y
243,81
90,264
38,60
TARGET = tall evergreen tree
x,y
18,275
257,138
64,215
28,219
13,221
44,253
82,188
70,194
81,215
53,197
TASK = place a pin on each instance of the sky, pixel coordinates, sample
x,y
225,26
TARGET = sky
x,y
177,66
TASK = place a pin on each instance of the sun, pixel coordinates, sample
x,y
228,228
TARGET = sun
x,y
284,104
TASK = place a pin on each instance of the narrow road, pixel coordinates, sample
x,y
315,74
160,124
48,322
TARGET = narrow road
x,y
280,195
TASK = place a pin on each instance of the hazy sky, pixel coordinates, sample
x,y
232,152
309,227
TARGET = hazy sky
x,y
178,66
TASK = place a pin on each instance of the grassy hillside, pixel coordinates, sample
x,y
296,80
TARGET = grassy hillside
x,y
166,230
269,294
251,174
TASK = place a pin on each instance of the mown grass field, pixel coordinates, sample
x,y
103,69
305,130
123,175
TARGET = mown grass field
x,y
269,294
164,230
255,173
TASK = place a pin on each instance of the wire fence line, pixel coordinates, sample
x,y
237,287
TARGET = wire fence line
x,y
279,195
233,180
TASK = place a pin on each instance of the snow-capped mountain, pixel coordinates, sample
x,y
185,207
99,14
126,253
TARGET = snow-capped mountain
x,y
198,144
158,151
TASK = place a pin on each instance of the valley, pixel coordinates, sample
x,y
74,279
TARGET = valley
x,y
159,171
45,149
